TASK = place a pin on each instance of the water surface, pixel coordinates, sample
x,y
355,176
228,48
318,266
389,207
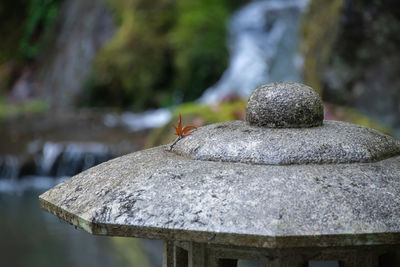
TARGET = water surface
x,y
30,236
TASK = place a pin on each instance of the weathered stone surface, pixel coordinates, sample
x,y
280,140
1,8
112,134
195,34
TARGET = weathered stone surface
x,y
233,183
333,142
285,105
158,194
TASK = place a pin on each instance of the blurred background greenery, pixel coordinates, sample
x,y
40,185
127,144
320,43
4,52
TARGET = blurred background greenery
x,y
83,81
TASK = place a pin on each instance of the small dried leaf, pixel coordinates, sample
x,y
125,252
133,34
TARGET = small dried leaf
x,y
183,131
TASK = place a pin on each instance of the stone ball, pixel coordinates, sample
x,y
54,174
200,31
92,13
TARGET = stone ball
x,y
285,105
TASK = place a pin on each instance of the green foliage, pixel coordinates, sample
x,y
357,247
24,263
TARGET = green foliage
x,y
41,15
35,106
12,14
198,39
133,68
163,52
24,26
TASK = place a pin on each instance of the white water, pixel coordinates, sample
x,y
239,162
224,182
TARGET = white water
x,y
139,121
53,162
263,38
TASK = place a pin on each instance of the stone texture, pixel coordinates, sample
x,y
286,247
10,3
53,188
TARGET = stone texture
x,y
285,105
158,194
336,184
333,142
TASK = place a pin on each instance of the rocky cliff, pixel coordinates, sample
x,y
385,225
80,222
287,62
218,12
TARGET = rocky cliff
x,y
352,52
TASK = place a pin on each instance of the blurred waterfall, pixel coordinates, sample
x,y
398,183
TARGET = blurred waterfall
x,y
9,167
67,159
263,39
48,163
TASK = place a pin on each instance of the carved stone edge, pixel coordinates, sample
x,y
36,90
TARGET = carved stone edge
x,y
245,240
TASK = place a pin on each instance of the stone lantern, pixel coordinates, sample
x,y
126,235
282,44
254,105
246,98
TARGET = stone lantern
x,y
284,188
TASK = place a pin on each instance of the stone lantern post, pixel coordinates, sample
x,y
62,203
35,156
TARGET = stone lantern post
x,y
283,188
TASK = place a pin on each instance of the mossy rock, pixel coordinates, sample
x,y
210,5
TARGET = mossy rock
x,y
352,54
162,53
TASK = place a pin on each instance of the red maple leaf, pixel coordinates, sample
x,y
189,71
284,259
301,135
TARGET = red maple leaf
x,y
183,131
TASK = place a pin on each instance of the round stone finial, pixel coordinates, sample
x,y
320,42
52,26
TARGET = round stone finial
x,y
285,105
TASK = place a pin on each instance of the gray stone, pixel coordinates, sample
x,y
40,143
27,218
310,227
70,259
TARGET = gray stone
x,y
285,105
158,194
333,142
280,196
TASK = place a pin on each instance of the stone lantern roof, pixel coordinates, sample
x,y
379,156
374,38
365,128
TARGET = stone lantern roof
x,y
284,178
